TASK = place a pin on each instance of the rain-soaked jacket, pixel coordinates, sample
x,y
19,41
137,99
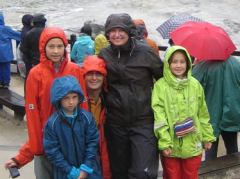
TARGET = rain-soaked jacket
x,y
24,155
100,43
221,83
38,106
71,141
6,36
93,63
83,47
131,69
175,100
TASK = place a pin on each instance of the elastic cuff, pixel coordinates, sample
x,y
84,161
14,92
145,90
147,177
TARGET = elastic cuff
x,y
86,169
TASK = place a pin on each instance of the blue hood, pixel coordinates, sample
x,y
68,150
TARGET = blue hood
x,y
62,86
1,19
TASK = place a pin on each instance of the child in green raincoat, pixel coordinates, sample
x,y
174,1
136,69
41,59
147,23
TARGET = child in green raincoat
x,y
181,117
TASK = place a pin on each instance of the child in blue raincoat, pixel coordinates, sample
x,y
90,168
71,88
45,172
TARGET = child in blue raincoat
x,y
71,135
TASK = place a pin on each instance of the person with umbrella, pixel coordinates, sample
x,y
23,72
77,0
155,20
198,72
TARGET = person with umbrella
x,y
181,117
221,82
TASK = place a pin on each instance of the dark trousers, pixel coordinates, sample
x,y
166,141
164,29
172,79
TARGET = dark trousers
x,y
132,151
5,73
230,142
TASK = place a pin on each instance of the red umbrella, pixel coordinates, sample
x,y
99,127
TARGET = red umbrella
x,y
204,41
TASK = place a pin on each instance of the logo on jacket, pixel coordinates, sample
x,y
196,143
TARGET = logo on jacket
x,y
31,106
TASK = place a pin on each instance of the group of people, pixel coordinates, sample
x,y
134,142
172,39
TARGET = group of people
x,y
110,116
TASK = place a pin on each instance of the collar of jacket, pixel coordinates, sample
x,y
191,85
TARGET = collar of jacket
x,y
49,64
70,121
126,48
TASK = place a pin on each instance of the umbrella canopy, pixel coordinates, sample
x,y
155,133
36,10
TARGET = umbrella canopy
x,y
204,41
175,21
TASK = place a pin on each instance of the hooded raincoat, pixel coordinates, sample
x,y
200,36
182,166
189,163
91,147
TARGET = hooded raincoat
x,y
93,63
38,106
142,34
71,141
175,100
6,36
30,44
221,83
131,69
83,47
100,43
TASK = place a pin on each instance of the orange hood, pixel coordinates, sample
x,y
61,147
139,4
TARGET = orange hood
x,y
47,34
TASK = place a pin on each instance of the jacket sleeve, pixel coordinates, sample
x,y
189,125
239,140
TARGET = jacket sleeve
x,y
84,104
156,64
161,126
203,115
73,53
52,149
25,46
33,115
92,138
24,155
13,34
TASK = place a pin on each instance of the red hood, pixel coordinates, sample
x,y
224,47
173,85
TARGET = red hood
x,y
47,34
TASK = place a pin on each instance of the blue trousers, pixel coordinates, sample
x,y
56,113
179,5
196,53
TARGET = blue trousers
x,y
5,73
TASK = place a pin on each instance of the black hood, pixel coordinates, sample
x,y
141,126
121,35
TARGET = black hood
x,y
39,19
121,20
27,19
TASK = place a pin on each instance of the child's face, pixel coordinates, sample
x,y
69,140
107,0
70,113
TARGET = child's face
x,y
94,80
178,65
70,102
55,50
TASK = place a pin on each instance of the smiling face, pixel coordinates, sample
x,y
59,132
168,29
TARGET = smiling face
x,y
94,80
55,50
70,102
178,65
118,36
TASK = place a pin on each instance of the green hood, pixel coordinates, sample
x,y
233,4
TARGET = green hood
x,y
167,74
